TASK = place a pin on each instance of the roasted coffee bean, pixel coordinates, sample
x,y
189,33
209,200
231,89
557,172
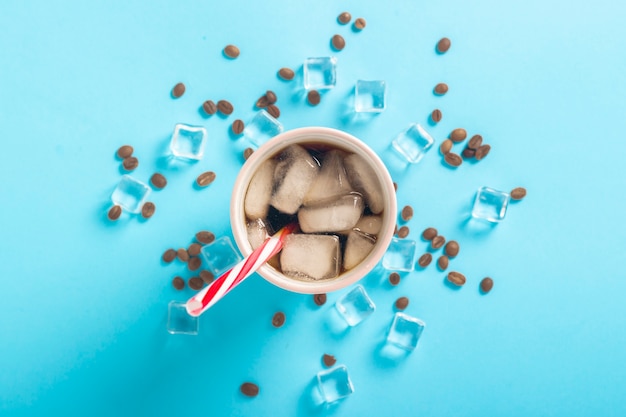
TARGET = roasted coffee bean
x,y
475,142
407,213
182,254
456,278
274,111
360,23
271,97
446,146
486,285
436,115
452,248
441,89
425,260
237,127
205,237
313,97
402,303
403,232
279,319
231,51
453,159
205,178
194,249
482,151
328,360
130,163
518,193
114,212
247,153
395,186
148,209
195,283
344,18
158,181
437,242
262,102
443,45
178,90
209,107
458,135
249,389
225,107
178,283
207,276
286,74
429,233
468,153
319,299
338,42
194,263
394,278
169,255
125,151
442,262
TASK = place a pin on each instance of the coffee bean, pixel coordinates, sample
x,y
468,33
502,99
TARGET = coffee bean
x,y
442,262
231,51
207,276
403,232
441,89
338,42
456,278
237,127
394,278
313,97
344,18
446,146
194,249
125,151
274,111
328,360
194,263
148,209
486,285
452,248
169,255
225,107
178,283
443,45
130,163
518,193
402,303
286,74
482,151
247,153
429,233
114,212
436,115
453,159
182,254
360,23
271,97
262,102
279,319
458,135
249,389
425,260
195,283
178,90
468,153
158,181
205,237
205,178
395,186
437,242
407,213
209,107
319,299
475,142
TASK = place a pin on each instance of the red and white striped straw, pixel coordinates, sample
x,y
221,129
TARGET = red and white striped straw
x,y
213,292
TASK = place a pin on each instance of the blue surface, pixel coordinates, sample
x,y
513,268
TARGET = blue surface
x,y
82,329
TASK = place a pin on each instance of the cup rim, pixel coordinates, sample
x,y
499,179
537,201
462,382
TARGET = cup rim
x,y
332,137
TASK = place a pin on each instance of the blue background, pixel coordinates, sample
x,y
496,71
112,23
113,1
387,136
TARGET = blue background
x,y
82,323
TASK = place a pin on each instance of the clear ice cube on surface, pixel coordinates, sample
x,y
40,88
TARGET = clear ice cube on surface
x,y
130,194
340,214
294,174
358,246
179,321
334,384
370,96
405,331
262,128
355,306
413,143
400,255
490,204
311,257
257,232
257,201
332,180
188,141
364,180
220,255
320,73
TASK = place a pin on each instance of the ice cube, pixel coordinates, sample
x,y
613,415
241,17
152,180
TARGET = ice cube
x,y
334,384
400,255
257,232
257,200
332,180
220,255
355,306
329,216
370,225
262,128
405,331
490,204
130,194
293,175
320,73
179,321
370,96
188,141
363,179
358,246
310,256
413,143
